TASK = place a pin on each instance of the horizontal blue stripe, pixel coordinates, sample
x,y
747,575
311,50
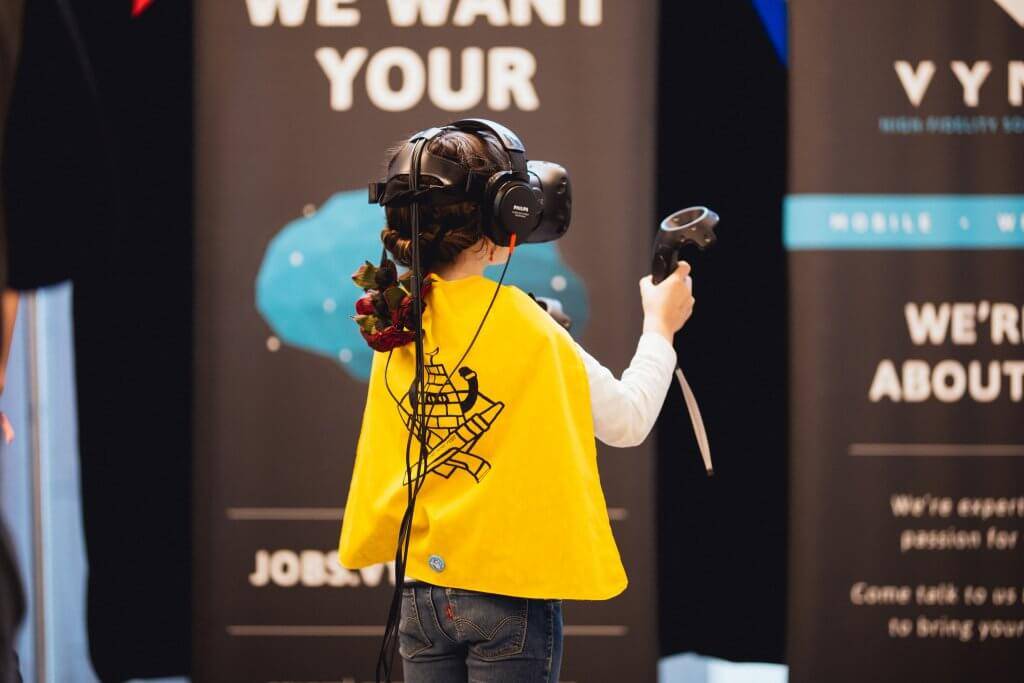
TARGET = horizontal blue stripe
x,y
886,221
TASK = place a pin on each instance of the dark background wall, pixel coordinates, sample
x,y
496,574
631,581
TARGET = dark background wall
x,y
722,143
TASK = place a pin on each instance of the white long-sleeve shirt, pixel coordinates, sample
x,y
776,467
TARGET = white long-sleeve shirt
x,y
626,409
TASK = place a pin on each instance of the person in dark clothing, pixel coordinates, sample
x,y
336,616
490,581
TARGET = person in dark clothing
x,y
97,176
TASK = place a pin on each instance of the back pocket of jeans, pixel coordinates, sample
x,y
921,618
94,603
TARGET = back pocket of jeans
x,y
412,639
493,625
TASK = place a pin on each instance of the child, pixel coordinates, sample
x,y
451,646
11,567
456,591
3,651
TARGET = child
x,y
510,518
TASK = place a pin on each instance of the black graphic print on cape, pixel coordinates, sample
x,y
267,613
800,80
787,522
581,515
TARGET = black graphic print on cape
x,y
455,420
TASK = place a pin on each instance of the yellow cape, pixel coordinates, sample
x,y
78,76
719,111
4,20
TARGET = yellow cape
x,y
511,499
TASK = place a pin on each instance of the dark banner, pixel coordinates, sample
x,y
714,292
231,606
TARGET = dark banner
x,y
905,231
297,105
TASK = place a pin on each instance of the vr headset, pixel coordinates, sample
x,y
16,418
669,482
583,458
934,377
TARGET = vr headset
x,y
531,203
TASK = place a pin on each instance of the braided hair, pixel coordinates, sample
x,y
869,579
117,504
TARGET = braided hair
x,y
445,231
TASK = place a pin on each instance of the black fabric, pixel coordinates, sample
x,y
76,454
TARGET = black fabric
x,y
722,143
57,188
98,173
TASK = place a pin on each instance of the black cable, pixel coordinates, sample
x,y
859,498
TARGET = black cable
x,y
417,422
385,657
487,312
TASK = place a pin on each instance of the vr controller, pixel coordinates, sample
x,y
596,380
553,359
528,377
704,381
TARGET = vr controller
x,y
693,225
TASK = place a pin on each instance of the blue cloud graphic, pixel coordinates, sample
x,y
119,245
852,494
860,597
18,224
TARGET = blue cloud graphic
x,y
305,294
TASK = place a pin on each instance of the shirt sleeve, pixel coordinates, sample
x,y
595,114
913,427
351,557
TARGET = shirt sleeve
x,y
626,409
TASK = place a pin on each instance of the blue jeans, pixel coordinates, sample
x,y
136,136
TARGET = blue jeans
x,y
448,635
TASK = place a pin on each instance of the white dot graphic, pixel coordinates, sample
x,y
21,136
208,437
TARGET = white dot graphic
x,y
964,223
345,355
559,283
308,210
330,305
295,258
273,343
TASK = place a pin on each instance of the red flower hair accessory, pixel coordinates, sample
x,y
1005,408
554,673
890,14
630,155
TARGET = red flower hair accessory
x,y
384,314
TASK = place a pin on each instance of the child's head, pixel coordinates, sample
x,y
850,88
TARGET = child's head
x,y
479,152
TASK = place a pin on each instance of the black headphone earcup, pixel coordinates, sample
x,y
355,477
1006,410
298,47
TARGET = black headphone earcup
x,y
514,209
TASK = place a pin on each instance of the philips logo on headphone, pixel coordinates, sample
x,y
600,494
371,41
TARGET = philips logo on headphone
x,y
520,211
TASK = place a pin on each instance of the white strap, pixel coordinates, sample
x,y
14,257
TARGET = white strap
x,y
698,423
